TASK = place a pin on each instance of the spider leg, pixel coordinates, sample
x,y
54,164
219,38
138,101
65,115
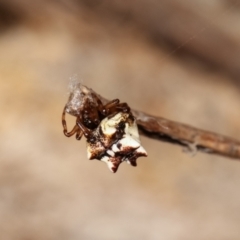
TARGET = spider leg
x,y
123,107
79,134
106,109
112,103
64,123
74,130
87,133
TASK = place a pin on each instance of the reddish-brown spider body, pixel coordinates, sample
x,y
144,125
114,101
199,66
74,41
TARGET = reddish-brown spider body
x,y
90,114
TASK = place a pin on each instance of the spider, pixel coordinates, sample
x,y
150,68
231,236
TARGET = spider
x,y
90,116
110,130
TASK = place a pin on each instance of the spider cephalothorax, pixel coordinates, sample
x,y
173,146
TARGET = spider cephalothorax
x,y
91,113
110,129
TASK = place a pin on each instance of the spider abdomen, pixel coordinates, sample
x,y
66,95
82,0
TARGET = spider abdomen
x,y
113,148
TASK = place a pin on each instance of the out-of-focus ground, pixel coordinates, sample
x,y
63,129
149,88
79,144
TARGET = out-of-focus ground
x,y
175,59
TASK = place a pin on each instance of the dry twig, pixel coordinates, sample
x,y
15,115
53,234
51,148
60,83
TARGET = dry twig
x,y
194,139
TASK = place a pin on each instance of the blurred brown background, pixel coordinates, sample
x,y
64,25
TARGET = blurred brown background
x,y
176,59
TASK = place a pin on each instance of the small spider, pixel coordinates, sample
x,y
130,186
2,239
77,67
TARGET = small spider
x,y
110,130
91,115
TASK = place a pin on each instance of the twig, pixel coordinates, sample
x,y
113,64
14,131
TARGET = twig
x,y
194,139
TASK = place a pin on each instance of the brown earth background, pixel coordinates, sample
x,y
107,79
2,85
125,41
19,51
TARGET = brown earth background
x,y
175,59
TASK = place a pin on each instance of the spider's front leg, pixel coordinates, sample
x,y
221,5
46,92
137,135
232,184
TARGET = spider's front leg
x,y
76,129
79,134
112,107
123,107
115,106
